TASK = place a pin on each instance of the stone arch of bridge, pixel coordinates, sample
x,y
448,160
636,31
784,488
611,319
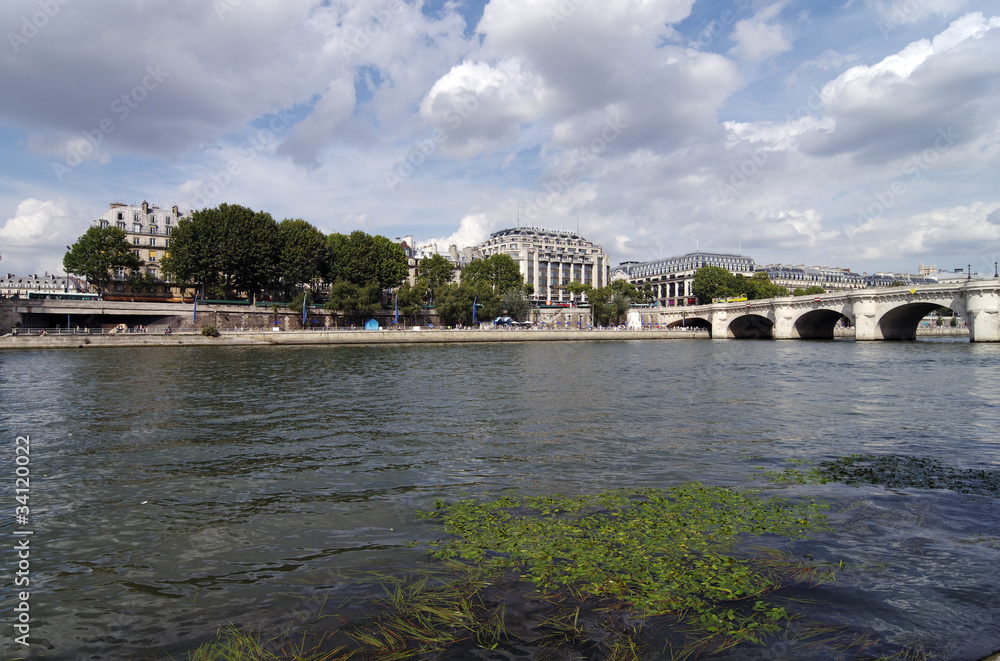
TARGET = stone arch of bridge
x,y
691,322
818,324
901,322
751,327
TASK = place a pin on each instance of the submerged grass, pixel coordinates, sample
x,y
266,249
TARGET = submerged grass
x,y
620,576
893,471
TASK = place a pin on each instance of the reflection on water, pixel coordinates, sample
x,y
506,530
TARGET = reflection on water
x,y
176,490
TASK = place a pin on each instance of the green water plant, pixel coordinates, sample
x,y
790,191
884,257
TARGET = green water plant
x,y
892,471
653,552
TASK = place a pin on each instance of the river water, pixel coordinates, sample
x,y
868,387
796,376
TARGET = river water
x,y
176,490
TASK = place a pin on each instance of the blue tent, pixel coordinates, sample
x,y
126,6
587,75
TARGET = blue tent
x,y
371,324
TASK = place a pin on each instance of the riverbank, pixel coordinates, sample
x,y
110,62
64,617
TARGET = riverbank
x,y
423,336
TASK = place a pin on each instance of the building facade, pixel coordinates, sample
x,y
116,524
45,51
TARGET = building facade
x,y
803,277
551,259
21,286
147,229
671,279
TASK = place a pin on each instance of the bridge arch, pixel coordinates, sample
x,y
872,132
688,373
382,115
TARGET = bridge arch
x,y
818,324
751,327
691,322
901,322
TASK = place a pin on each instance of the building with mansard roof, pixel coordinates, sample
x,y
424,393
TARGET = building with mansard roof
x,y
147,229
551,259
671,279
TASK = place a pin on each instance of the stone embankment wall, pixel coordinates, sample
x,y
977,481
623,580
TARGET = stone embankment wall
x,y
68,340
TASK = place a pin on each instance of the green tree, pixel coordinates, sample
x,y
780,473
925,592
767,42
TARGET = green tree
x,y
361,258
714,282
618,306
98,253
409,299
625,288
141,282
226,249
759,286
435,271
515,304
453,304
304,255
353,300
812,290
497,272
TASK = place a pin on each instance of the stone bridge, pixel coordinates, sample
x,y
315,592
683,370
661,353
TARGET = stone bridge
x,y
876,314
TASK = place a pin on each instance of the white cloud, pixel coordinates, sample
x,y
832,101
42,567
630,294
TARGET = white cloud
x,y
898,13
36,228
479,108
759,38
897,105
473,229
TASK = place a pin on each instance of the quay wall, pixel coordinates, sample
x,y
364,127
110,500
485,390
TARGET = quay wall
x,y
428,336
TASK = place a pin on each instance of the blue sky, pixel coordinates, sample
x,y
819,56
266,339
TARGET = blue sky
x,y
861,134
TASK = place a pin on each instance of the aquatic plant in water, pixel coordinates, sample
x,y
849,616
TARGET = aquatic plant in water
x,y
649,552
893,471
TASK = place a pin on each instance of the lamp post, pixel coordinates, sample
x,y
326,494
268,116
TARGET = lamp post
x,y
474,301
995,270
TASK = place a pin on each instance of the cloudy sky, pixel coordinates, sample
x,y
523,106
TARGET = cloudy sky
x,y
857,133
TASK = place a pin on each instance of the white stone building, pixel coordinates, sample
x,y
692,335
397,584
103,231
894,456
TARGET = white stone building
x,y
671,279
148,229
551,259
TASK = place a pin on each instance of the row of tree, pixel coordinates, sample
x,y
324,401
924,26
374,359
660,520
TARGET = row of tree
x,y
711,282
231,249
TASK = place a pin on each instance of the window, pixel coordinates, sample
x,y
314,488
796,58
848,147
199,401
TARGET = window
x,y
169,229
152,242
152,255
167,220
166,243
136,253
136,218
135,241
136,228
121,216
121,226
153,230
